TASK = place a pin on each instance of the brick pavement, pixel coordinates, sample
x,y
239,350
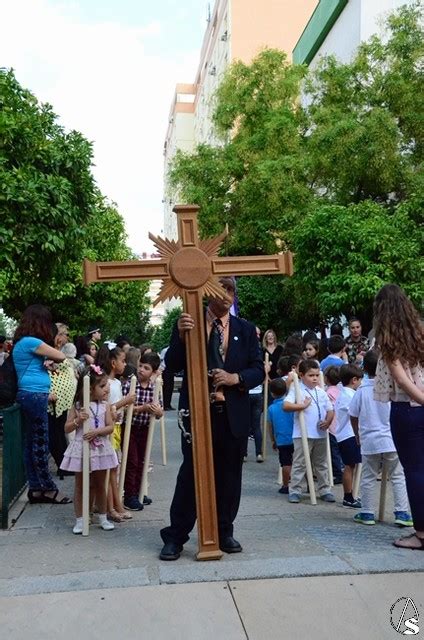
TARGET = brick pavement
x,y
39,554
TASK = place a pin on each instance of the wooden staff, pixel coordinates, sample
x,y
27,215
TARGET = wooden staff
x,y
86,461
265,413
126,442
383,489
162,427
329,460
280,475
111,440
305,445
357,479
143,486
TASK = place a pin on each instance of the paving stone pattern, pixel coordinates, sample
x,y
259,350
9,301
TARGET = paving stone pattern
x,y
40,554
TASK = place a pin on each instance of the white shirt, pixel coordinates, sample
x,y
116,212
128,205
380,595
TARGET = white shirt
x,y
115,395
256,390
316,411
374,420
343,427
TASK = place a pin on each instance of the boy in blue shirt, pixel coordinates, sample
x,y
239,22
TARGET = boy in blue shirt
x,y
337,357
280,426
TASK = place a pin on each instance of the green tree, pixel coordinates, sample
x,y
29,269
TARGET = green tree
x,y
269,302
162,335
256,183
47,189
53,216
366,118
345,254
358,140
121,307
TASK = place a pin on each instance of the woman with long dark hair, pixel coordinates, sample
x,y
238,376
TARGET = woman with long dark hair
x,y
399,336
32,354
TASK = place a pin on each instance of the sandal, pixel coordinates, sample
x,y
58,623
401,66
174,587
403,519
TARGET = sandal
x,y
53,499
403,546
33,499
125,515
115,516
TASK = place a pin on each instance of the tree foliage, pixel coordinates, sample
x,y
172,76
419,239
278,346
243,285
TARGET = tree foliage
x,y
162,335
366,117
351,252
47,189
336,177
52,217
260,170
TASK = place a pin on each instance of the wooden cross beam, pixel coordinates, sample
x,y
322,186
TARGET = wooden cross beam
x,y
190,268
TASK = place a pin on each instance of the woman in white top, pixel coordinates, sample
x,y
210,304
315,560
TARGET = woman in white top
x,y
399,336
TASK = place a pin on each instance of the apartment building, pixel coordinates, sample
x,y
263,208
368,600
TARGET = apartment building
x,y
337,27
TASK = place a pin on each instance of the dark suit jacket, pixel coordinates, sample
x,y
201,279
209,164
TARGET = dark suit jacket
x,y
243,356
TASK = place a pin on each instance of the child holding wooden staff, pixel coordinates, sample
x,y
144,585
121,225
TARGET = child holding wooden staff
x,y
112,359
370,421
280,425
287,365
318,414
350,377
333,388
146,462
144,408
102,454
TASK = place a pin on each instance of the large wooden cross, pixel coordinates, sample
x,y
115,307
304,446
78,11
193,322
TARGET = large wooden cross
x,y
190,268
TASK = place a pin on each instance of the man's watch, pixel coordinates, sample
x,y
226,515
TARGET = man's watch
x,y
241,380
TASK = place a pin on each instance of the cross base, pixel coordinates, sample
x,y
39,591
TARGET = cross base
x,y
209,555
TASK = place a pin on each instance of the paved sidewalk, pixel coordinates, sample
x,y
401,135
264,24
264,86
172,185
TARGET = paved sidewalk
x,y
41,555
323,608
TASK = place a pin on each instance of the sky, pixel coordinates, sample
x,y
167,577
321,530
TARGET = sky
x,y
109,69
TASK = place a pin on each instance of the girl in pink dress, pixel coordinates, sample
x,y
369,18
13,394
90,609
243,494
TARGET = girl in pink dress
x,y
102,454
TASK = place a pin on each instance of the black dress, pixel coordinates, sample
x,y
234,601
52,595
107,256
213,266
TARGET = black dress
x,y
273,359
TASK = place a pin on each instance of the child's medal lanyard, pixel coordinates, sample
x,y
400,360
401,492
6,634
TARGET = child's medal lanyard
x,y
97,441
315,399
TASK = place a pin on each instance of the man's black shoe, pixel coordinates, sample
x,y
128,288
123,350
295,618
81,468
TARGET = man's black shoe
x,y
169,408
170,551
147,500
229,545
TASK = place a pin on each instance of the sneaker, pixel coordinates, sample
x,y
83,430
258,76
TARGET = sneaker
x,y
353,504
294,497
403,519
259,458
107,525
132,503
364,518
77,527
283,490
328,497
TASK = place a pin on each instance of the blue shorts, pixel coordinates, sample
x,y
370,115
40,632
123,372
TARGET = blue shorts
x,y
350,451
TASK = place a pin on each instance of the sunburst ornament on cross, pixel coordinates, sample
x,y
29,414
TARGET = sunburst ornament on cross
x,y
190,268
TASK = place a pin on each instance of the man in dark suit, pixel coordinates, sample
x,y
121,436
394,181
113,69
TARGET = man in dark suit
x,y
234,366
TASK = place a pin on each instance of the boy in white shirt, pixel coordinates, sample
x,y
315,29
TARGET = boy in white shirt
x,y
371,421
350,377
318,412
